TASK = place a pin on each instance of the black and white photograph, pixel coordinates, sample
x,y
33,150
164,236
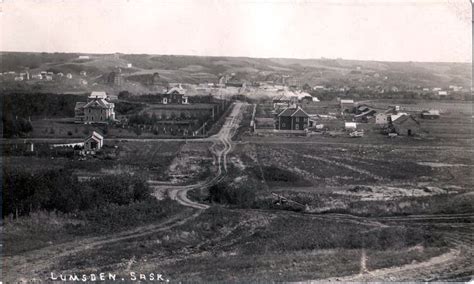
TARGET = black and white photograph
x,y
236,141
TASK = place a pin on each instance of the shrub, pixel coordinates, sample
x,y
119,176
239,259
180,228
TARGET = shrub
x,y
221,193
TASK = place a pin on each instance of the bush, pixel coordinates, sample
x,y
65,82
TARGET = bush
x,y
243,196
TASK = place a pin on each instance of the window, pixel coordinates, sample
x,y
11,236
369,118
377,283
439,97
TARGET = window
x,y
283,124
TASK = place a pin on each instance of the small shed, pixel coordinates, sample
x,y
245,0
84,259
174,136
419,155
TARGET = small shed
x,y
94,142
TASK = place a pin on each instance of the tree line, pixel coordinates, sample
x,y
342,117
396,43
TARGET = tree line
x,y
59,190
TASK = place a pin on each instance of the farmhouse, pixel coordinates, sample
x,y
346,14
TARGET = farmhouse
x,y
430,114
405,125
96,110
292,118
175,95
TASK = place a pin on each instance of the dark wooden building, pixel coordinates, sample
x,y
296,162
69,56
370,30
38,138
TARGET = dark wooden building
x,y
292,118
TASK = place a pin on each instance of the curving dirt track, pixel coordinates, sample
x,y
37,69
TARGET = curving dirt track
x,y
179,193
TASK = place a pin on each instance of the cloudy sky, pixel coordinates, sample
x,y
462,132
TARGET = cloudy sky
x,y
392,30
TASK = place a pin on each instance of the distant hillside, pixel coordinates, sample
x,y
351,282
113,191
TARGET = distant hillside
x,y
138,68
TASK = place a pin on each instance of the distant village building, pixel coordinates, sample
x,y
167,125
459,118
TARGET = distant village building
x,y
60,74
455,88
430,114
129,65
49,77
381,118
293,118
442,93
83,57
83,73
96,110
69,75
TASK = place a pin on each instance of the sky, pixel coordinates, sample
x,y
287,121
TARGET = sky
x,y
385,30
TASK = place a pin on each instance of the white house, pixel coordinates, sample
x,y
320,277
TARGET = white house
x,y
442,93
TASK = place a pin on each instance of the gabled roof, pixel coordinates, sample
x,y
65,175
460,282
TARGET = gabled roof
x,y
98,95
95,136
287,112
293,112
299,113
404,118
180,91
79,105
99,103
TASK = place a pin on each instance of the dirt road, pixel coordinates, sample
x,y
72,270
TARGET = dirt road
x,y
179,193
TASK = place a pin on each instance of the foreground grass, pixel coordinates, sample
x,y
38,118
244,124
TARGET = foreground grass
x,y
41,229
229,245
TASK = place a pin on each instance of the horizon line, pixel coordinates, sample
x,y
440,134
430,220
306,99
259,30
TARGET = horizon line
x,y
237,56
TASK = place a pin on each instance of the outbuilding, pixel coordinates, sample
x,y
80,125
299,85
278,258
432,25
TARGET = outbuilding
x,y
430,114
406,125
350,126
94,142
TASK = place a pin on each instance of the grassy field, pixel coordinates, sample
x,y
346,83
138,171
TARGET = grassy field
x,y
227,245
